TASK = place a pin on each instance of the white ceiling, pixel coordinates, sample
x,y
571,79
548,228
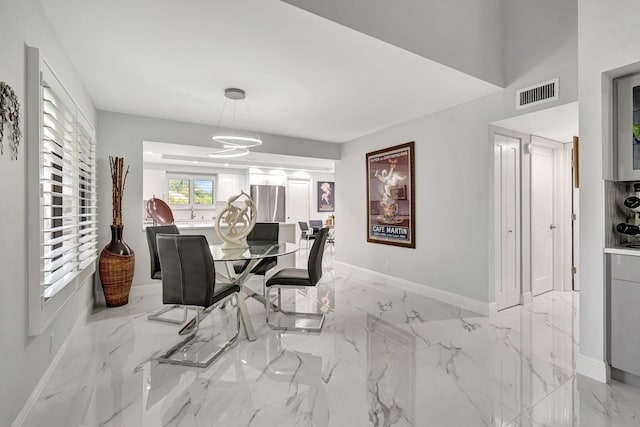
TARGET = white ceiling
x,y
189,155
304,76
557,123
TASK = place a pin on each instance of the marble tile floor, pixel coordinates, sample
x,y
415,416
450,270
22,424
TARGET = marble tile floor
x,y
386,357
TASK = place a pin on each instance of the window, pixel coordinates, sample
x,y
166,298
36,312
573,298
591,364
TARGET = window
x,y
179,191
62,201
202,192
190,191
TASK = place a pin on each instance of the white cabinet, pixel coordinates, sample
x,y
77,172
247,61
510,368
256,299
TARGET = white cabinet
x,y
264,179
627,127
230,184
624,314
154,184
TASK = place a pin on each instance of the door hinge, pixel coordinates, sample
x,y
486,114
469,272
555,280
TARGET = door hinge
x,y
573,217
574,270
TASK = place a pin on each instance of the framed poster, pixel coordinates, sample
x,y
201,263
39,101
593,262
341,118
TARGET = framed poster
x,y
391,196
326,196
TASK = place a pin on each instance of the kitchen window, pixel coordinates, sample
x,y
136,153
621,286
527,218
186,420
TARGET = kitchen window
x,y
190,191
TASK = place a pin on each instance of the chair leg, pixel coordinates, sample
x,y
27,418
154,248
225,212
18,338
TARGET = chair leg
x,y
184,345
267,304
318,317
156,315
264,285
189,327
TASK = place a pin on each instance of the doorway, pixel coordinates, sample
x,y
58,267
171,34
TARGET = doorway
x,y
299,200
533,221
554,216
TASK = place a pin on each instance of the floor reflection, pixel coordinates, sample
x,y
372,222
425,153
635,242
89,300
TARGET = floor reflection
x,y
386,357
391,371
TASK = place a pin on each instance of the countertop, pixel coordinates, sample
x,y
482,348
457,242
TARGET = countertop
x,y
208,225
622,250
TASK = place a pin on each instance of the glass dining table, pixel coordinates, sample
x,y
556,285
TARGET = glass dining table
x,y
256,251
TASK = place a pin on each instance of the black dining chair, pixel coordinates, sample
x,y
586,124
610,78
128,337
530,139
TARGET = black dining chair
x,y
306,233
156,274
316,225
298,278
187,266
262,232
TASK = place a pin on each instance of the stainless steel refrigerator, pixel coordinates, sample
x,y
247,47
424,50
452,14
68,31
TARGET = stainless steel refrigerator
x,y
269,201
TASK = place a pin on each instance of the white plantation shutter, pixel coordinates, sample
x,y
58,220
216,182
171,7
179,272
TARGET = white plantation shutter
x,y
68,188
87,197
61,194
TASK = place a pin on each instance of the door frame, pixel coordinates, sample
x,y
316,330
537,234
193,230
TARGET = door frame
x,y
289,200
525,220
562,210
575,220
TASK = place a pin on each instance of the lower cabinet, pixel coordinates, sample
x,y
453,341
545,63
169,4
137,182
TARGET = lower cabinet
x,y
625,313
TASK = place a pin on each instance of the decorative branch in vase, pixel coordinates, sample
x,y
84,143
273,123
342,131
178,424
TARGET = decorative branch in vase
x,y
117,259
118,180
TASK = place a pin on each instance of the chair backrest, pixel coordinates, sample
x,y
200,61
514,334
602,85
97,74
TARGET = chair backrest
x,y
152,233
303,226
316,224
188,273
314,264
264,231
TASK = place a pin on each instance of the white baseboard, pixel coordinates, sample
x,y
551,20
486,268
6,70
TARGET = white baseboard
x,y
466,303
527,298
592,368
33,397
493,308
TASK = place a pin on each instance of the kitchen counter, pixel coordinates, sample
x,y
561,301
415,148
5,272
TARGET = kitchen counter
x,y
623,250
197,225
288,231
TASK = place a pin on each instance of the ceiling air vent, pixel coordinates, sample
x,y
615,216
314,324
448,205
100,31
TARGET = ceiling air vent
x,y
537,94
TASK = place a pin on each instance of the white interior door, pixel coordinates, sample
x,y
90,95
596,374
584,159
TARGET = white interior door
x,y
543,227
507,225
298,201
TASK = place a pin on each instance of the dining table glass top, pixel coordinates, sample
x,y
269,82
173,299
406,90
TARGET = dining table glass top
x,y
256,250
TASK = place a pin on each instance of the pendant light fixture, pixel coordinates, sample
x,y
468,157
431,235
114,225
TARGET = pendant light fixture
x,y
234,143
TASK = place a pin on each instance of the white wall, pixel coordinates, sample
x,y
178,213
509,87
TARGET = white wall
x,y
123,135
533,31
25,359
462,34
453,166
609,47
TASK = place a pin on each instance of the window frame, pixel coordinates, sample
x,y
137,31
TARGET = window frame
x,y
46,214
192,177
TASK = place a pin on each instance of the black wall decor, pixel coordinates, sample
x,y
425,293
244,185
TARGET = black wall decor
x,y
9,115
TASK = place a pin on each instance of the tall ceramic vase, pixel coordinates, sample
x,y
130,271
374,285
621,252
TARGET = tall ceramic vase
x,y
116,265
